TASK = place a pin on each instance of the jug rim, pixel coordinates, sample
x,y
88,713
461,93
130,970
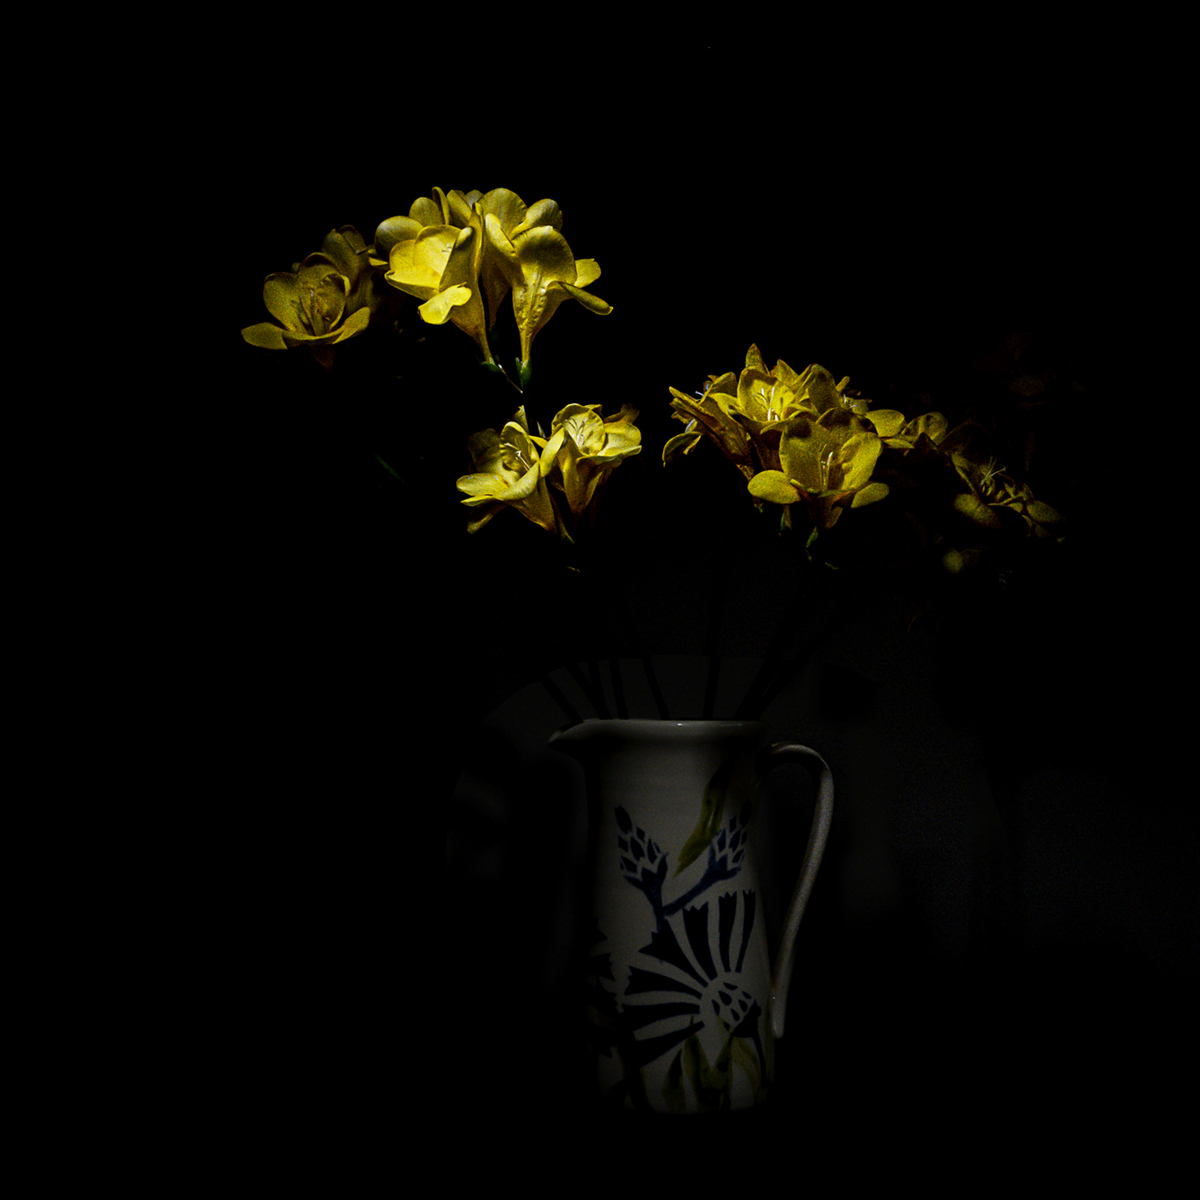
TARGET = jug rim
x,y
657,729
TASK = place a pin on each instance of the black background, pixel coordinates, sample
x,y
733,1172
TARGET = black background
x,y
933,225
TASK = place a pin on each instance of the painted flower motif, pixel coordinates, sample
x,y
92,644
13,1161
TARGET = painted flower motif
x,y
694,982
328,298
826,463
587,448
683,992
510,470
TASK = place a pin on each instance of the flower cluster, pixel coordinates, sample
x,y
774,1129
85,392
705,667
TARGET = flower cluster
x,y
519,469
323,300
799,438
462,253
802,439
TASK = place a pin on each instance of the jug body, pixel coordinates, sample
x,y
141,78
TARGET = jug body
x,y
680,990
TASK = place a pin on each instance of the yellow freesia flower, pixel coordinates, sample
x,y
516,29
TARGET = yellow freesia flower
x,y
422,213
991,491
440,267
460,276
587,448
542,272
826,463
346,250
745,412
310,306
711,415
991,494
514,219
768,394
510,470
326,299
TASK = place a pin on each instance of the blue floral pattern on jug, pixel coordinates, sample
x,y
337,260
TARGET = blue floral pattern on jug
x,y
696,953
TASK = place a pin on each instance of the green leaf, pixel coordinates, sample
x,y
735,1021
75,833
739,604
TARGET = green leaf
x,y
695,1064
388,469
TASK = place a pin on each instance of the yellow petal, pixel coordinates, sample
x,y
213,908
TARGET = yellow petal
x,y
266,335
590,302
436,311
426,211
460,209
479,487
773,486
681,443
480,521
507,207
933,425
869,494
587,271
355,323
887,421
971,506
544,255
822,391
544,212
279,295
858,457
420,263
393,230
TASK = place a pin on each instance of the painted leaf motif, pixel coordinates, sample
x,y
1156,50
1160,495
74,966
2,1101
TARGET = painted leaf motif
x,y
746,1058
674,1096
712,811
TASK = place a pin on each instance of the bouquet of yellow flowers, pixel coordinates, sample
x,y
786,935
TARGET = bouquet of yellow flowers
x,y
814,453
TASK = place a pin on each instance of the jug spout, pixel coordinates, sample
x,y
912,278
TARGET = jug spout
x,y
571,739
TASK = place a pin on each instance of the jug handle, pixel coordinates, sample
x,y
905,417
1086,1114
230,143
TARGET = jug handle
x,y
776,756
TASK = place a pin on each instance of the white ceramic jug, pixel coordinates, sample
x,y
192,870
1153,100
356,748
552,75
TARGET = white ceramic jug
x,y
684,1004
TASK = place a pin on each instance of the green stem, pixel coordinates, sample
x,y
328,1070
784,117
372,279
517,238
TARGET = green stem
x,y
592,574
497,369
788,668
717,593
753,702
579,570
